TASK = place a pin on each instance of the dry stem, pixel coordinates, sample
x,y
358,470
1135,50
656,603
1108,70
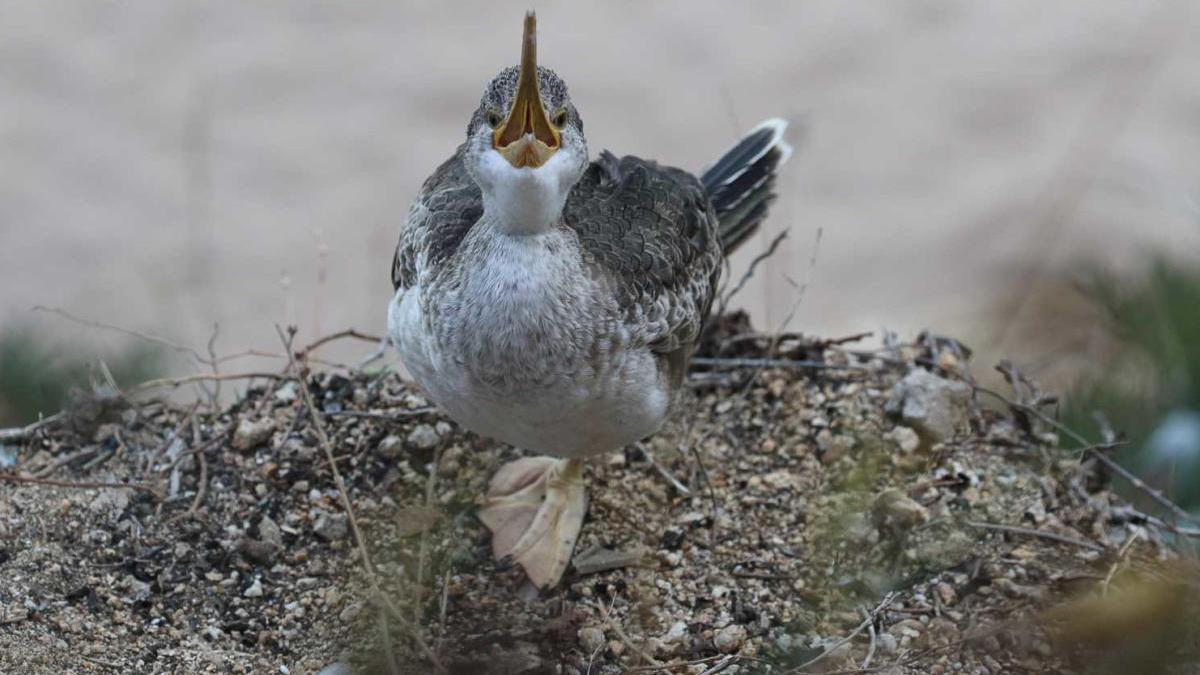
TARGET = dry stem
x,y
887,600
85,485
302,354
21,433
205,377
1095,450
1013,529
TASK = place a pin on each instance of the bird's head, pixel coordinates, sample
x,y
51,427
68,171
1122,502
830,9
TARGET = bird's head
x,y
525,144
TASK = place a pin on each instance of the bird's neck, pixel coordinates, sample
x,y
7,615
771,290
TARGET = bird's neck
x,y
527,201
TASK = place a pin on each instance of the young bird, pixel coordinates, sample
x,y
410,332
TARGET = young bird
x,y
552,302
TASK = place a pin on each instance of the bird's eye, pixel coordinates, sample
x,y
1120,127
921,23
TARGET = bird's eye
x,y
560,118
494,119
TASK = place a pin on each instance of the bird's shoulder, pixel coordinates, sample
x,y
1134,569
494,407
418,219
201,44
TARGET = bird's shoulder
x,y
442,213
651,231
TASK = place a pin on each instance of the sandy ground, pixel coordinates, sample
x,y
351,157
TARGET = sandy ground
x,y
172,165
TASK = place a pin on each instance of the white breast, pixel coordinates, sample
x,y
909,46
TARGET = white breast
x,y
523,346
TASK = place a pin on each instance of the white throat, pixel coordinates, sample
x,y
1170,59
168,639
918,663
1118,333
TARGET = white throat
x,y
525,200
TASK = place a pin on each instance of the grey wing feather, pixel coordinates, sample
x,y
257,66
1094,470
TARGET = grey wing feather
x,y
652,232
448,205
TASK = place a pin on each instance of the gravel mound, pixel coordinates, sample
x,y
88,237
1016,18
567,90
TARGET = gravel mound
x,y
812,508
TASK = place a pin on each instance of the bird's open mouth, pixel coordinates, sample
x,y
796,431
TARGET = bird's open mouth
x,y
526,137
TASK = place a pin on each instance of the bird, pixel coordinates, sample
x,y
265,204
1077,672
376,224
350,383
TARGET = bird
x,y
552,302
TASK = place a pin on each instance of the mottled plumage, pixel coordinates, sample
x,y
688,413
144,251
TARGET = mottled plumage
x,y
552,303
648,233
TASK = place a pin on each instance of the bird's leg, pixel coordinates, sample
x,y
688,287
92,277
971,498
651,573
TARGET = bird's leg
x,y
535,508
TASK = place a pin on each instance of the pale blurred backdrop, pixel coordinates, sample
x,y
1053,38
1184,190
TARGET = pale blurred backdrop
x,y
170,165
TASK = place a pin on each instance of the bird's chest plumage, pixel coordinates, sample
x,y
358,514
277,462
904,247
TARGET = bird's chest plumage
x,y
523,345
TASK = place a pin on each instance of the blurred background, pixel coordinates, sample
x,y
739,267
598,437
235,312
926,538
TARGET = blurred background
x,y
1021,175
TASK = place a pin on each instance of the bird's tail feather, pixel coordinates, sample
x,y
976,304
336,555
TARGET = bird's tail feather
x,y
741,184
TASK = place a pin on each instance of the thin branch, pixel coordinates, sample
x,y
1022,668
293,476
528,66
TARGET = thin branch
x,y
383,414
21,433
683,489
673,665
202,488
348,333
214,396
1137,516
729,660
1062,539
205,377
1112,571
175,346
870,648
85,453
726,297
763,576
844,340
715,362
887,600
82,485
1095,450
249,352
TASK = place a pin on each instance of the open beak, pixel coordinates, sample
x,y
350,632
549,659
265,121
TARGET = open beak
x,y
526,137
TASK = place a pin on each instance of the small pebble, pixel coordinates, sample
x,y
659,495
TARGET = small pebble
x,y
390,447
591,638
423,437
331,526
255,590
730,638
252,433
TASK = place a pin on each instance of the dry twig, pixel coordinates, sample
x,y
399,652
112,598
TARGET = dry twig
x,y
302,354
84,485
1095,450
887,600
202,488
1112,571
21,433
1013,529
871,647
771,248
772,363
174,346
205,377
